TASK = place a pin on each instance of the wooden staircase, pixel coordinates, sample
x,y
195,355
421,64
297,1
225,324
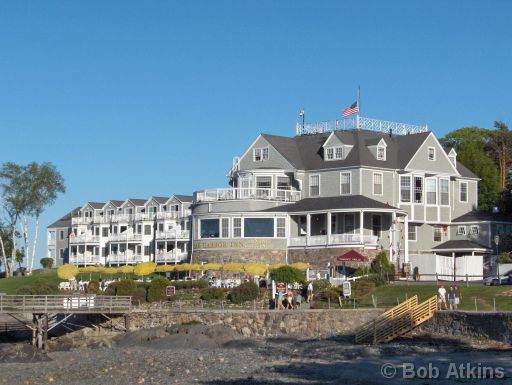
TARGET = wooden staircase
x,y
397,321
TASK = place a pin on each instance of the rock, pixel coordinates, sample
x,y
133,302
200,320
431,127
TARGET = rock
x,y
246,332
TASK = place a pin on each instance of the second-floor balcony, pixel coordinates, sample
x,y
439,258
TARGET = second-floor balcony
x,y
247,193
86,258
126,237
173,256
51,242
334,239
125,257
83,238
173,234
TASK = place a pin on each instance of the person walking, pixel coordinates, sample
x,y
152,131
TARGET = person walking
x,y
451,297
441,298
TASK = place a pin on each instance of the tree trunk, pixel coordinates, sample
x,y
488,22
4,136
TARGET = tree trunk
x,y
14,247
33,256
4,256
25,237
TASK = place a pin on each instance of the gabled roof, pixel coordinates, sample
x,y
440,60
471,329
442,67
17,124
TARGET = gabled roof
x,y
463,170
462,245
95,205
183,198
482,216
331,203
115,203
305,152
65,221
159,200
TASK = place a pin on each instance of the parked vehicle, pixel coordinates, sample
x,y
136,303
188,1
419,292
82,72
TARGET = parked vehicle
x,y
493,280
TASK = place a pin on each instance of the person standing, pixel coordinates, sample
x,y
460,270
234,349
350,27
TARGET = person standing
x,y
458,297
441,297
310,293
451,297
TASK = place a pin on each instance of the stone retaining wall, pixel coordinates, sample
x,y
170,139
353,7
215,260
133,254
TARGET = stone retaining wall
x,y
494,326
298,323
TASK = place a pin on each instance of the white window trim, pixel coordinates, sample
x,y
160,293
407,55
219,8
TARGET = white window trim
x,y
382,183
350,185
254,150
415,233
460,191
384,152
413,189
319,182
428,154
275,227
436,190
400,189
434,232
333,148
461,230
472,230
232,228
221,233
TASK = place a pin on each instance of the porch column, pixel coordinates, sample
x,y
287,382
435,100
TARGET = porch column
x,y
406,239
329,219
361,225
308,227
392,239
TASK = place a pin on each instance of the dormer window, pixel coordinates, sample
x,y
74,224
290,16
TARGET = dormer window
x,y
334,153
452,155
431,153
260,154
381,153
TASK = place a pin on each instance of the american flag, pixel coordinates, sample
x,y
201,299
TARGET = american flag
x,y
354,108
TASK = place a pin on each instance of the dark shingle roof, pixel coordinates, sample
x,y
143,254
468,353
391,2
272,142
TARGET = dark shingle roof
x,y
464,171
138,202
161,200
459,244
96,205
65,221
331,203
117,203
483,216
305,152
184,198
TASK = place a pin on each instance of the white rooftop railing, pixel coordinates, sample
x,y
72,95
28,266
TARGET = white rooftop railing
x,y
359,123
238,193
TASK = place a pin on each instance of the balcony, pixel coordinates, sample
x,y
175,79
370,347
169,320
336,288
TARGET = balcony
x,y
125,237
51,242
246,193
171,256
84,259
83,238
125,257
173,234
173,214
334,239
125,218
82,220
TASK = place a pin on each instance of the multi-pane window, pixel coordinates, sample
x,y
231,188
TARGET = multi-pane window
x,y
444,192
461,230
381,153
225,228
147,250
314,185
431,187
418,189
260,154
412,232
264,182
463,191
281,227
437,233
147,229
377,183
61,235
338,153
431,153
349,224
405,188
345,187
237,227
283,182
474,230
330,153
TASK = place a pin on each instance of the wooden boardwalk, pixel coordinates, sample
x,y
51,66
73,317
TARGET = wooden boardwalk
x,y
65,304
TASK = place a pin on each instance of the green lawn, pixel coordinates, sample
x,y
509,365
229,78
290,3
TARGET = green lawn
x,y
389,295
9,285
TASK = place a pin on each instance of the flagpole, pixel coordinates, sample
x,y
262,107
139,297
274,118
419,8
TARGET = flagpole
x,y
358,106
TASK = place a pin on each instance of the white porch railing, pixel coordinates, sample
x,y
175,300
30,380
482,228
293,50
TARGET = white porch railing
x,y
85,258
126,257
81,220
121,218
125,237
334,239
171,256
51,242
246,193
173,214
173,234
83,238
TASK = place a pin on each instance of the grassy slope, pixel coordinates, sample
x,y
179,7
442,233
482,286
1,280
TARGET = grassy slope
x,y
388,296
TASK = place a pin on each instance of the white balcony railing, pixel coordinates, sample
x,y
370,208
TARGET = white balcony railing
x,y
83,238
125,257
123,237
246,193
84,259
123,218
82,220
173,234
171,256
51,242
334,239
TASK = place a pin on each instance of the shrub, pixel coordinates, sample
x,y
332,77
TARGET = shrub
x,y
24,290
382,266
139,295
247,291
43,287
125,287
288,274
362,287
47,263
329,293
93,286
156,289
111,289
212,293
321,284
199,284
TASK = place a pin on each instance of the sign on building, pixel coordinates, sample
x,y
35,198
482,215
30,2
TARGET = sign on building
x,y
170,291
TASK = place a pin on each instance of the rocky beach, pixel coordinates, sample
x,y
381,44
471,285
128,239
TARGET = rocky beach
x,y
217,355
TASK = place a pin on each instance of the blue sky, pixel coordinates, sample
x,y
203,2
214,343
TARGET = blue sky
x,y
133,99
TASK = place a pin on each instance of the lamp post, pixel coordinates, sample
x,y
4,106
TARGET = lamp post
x,y
497,242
